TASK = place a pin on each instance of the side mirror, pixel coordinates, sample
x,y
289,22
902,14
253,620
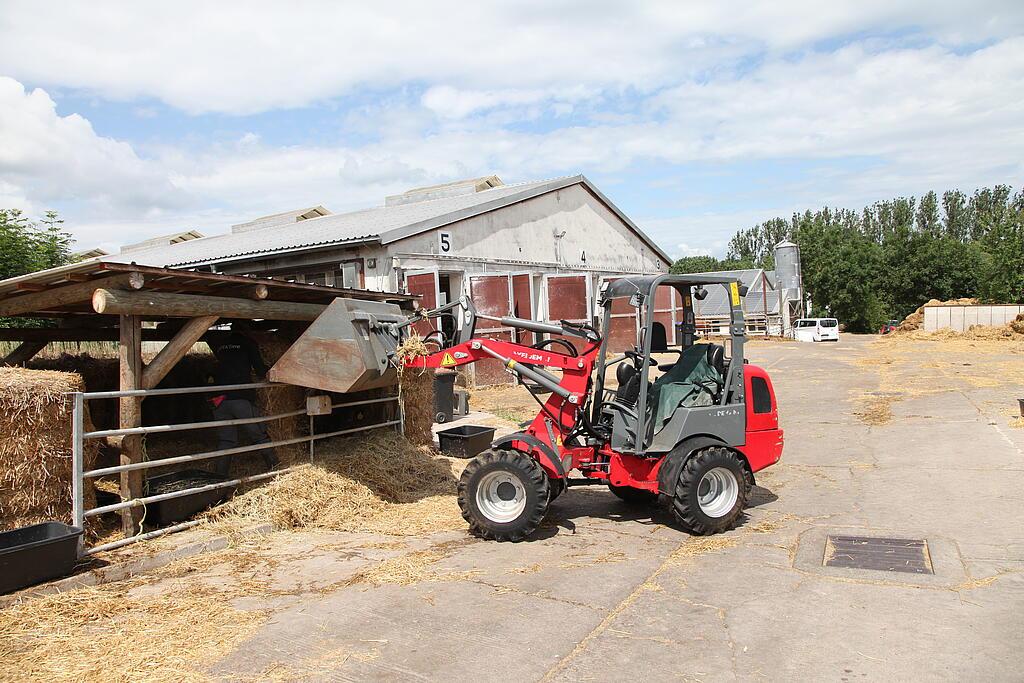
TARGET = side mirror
x,y
700,294
743,290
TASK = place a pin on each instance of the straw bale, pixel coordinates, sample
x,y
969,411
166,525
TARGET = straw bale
x,y
417,390
35,446
272,401
377,483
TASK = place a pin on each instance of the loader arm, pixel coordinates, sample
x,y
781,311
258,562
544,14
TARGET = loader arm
x,y
558,415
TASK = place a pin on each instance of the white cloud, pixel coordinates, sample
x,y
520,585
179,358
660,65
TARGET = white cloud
x,y
683,249
664,83
45,158
456,103
253,56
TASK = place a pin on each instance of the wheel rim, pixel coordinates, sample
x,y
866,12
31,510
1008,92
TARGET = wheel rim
x,y
501,496
717,492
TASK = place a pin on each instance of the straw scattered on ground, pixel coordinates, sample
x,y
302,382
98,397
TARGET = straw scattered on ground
x,y
121,632
876,409
411,568
700,545
378,483
417,389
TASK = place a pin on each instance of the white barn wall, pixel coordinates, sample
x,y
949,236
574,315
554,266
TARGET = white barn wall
x,y
524,234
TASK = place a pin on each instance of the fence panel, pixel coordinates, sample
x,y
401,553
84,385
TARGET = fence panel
x,y
79,436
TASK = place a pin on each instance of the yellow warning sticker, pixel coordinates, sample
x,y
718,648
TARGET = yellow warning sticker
x,y
734,288
447,359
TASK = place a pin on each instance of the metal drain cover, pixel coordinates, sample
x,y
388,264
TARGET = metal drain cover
x,y
908,555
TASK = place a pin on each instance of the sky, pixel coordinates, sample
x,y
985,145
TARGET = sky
x,y
697,119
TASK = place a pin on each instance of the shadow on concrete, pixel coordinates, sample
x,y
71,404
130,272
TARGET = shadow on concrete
x,y
596,502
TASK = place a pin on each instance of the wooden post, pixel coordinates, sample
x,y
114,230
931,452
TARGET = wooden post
x,y
23,353
130,355
175,350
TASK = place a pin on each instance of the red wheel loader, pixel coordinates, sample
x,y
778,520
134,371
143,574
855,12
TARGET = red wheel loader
x,y
689,424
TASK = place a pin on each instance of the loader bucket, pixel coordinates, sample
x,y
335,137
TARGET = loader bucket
x,y
343,350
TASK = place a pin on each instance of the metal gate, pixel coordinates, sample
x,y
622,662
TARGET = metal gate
x,y
79,436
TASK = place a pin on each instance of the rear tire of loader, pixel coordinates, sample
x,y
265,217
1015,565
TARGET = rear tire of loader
x,y
632,496
711,491
503,494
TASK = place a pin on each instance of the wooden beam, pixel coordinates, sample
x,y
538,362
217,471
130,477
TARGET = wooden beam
x,y
191,306
130,415
86,334
23,353
175,350
64,295
32,286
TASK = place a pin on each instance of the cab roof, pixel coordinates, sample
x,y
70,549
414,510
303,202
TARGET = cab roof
x,y
646,284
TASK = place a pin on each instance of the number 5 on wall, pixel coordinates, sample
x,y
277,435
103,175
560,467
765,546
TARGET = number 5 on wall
x,y
445,242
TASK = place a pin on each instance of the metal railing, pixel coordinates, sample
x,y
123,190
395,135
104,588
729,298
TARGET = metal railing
x,y
79,436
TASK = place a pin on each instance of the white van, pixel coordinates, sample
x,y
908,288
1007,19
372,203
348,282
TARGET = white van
x,y
816,329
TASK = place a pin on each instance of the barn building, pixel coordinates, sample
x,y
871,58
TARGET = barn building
x,y
540,249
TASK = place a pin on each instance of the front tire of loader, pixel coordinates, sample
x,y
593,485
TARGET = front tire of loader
x,y
504,495
711,491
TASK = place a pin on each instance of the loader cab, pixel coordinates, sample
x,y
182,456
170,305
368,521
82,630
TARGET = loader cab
x,y
663,393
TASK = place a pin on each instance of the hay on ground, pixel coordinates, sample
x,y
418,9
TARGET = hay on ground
x,y
417,389
35,446
122,631
378,483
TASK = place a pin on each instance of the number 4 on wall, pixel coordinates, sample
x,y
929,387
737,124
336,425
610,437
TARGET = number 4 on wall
x,y
444,242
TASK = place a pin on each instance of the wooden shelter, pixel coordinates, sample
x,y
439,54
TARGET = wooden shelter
x,y
104,301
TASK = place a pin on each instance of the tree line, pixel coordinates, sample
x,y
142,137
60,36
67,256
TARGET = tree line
x,y
885,260
27,246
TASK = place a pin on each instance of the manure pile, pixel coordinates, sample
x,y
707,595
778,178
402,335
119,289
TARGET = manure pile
x,y
379,483
1012,331
915,320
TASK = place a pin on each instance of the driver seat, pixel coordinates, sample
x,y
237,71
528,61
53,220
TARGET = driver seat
x,y
716,358
629,384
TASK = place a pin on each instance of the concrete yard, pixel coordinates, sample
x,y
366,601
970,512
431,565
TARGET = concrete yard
x,y
904,439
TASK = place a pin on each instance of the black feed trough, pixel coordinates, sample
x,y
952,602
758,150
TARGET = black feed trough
x,y
37,553
466,441
179,509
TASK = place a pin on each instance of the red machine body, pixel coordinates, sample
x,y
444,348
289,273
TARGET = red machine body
x,y
762,447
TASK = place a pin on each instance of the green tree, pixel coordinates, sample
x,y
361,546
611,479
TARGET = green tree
x,y
26,247
928,220
888,258
706,264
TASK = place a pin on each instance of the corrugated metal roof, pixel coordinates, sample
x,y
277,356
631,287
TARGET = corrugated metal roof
x,y
384,224
717,303
283,218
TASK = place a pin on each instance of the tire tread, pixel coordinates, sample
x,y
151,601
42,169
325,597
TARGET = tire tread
x,y
535,477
